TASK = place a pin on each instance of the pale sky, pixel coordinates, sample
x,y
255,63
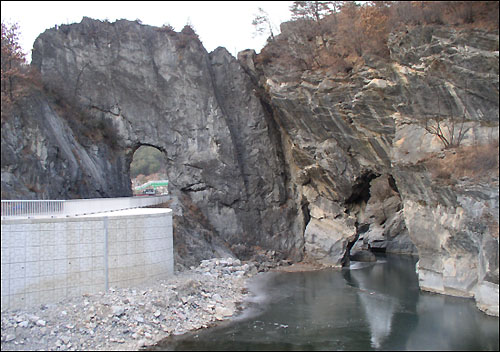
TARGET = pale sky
x,y
217,23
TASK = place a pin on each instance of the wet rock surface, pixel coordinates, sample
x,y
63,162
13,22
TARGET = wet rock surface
x,y
127,319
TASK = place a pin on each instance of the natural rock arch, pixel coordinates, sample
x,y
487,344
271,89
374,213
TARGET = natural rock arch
x,y
147,160
163,89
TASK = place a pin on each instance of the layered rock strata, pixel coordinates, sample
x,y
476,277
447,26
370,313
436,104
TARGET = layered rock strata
x,y
346,133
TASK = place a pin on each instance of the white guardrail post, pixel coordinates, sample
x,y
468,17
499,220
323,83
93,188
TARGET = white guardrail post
x,y
27,208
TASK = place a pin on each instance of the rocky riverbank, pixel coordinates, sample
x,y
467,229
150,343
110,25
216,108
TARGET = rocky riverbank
x,y
131,318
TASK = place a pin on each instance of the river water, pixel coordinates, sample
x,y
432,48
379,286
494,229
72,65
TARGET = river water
x,y
369,306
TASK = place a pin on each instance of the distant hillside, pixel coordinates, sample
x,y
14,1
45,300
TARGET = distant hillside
x,y
147,161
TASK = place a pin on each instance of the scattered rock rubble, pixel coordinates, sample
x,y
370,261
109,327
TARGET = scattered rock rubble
x,y
131,318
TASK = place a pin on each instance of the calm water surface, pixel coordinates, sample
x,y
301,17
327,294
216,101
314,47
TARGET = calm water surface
x,y
370,306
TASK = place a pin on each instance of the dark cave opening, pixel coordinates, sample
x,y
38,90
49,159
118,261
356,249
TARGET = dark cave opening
x,y
355,204
360,191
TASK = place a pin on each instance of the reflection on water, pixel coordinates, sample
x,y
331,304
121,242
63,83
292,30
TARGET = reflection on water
x,y
384,289
370,306
378,308
452,324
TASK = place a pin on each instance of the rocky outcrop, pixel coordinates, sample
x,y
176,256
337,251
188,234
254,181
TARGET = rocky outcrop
x,y
456,233
351,133
453,222
43,157
313,165
151,86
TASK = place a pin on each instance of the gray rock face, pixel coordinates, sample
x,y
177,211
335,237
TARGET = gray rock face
x,y
44,158
346,132
153,87
311,165
451,223
456,232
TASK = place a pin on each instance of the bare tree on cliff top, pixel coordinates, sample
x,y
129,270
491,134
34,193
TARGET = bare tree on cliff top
x,y
12,61
17,78
263,23
314,10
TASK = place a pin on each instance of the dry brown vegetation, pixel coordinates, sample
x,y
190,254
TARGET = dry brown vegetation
x,y
476,162
341,38
185,36
17,78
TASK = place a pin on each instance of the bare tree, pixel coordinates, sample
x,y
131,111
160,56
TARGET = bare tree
x,y
450,130
13,60
314,10
263,23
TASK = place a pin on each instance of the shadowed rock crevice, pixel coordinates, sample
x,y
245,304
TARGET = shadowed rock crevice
x,y
356,205
381,225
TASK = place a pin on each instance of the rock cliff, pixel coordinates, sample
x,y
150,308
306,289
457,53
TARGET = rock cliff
x,y
311,165
362,160
142,85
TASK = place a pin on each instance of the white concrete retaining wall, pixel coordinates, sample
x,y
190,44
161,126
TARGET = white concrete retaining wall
x,y
46,260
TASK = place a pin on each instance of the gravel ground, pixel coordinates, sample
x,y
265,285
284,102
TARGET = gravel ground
x,y
131,318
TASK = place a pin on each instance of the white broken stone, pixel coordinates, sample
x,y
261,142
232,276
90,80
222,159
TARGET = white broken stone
x,y
118,310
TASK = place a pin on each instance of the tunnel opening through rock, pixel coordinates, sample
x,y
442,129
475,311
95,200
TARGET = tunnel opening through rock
x,y
148,171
